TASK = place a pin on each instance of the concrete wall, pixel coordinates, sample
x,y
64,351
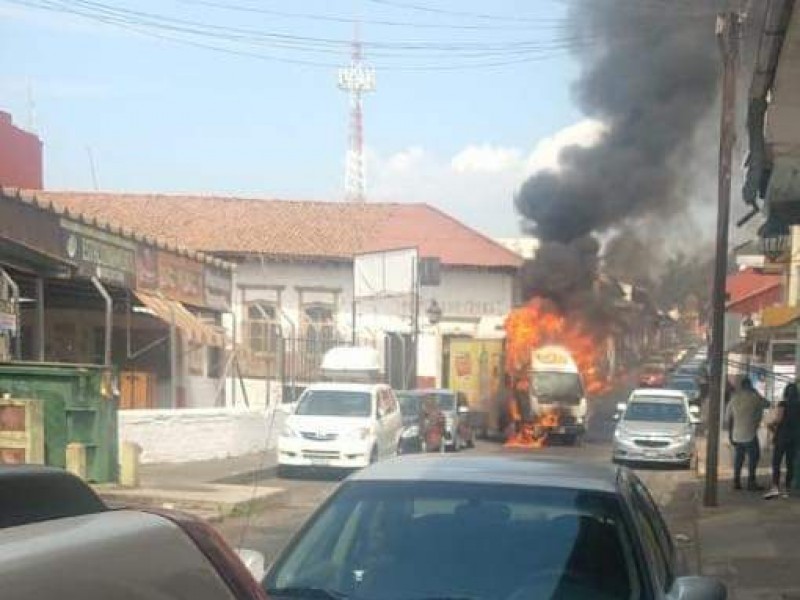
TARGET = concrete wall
x,y
186,435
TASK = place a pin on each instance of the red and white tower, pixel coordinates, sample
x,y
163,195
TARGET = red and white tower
x,y
356,79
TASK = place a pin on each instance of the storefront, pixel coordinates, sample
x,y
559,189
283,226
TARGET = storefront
x,y
79,291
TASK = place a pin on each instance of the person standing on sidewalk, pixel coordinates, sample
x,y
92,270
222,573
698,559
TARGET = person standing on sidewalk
x,y
744,414
786,435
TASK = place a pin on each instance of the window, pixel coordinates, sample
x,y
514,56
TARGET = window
x,y
262,327
335,403
663,536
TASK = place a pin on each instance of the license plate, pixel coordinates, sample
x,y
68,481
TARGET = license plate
x,y
320,462
651,454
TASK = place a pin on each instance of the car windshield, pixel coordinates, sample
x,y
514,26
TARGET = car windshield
x,y
564,387
410,541
660,412
682,384
445,401
334,403
409,404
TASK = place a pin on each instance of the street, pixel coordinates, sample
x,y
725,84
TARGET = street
x,y
269,530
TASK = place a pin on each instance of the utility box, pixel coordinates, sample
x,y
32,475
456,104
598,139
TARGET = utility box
x,y
78,406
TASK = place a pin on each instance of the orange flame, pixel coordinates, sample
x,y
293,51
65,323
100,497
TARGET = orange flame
x,y
536,324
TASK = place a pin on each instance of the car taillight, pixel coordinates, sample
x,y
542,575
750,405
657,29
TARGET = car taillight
x,y
221,556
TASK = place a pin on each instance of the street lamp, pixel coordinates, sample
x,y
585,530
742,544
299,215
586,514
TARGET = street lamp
x,y
434,312
775,238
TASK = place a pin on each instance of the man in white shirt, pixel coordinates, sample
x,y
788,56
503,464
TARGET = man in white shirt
x,y
743,415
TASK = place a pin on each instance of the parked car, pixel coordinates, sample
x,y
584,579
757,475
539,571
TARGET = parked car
x,y
489,527
340,425
653,374
58,540
686,384
423,422
458,430
656,426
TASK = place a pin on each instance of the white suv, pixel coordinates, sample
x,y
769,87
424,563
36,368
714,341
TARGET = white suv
x,y
342,425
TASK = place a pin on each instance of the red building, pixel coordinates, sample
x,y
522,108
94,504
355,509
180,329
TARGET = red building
x,y
20,156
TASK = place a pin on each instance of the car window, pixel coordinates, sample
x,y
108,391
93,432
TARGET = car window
x,y
454,540
660,527
334,403
651,527
659,412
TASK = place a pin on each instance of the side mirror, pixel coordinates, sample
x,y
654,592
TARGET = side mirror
x,y
287,407
254,561
697,588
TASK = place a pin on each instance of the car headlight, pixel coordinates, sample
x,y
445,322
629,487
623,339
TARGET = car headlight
x,y
359,433
411,432
619,433
289,431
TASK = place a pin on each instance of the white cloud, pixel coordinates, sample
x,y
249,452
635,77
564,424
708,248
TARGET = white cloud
x,y
405,159
546,153
485,159
478,183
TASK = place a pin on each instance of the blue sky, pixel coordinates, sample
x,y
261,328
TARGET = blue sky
x,y
160,116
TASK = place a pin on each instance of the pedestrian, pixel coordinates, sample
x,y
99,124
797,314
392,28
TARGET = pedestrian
x,y
743,415
785,429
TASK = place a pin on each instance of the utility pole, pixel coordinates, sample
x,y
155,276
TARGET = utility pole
x,y
728,39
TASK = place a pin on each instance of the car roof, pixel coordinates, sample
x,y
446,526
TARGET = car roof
x,y
658,395
657,392
345,387
512,469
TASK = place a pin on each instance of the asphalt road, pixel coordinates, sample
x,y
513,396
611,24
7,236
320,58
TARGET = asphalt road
x,y
269,530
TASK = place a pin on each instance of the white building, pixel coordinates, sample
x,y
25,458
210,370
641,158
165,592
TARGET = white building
x,y
293,289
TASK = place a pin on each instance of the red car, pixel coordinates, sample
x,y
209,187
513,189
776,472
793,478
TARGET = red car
x,y
653,375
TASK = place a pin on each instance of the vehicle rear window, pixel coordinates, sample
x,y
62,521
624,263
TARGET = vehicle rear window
x,y
335,403
661,412
419,540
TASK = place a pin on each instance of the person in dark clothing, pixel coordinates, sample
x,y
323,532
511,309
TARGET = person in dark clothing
x,y
786,432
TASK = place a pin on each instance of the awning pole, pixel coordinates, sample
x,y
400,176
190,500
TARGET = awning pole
x,y
173,359
40,319
109,319
17,314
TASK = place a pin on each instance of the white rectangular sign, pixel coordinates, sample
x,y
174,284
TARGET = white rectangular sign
x,y
385,274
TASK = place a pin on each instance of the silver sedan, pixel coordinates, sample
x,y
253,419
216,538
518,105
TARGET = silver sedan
x,y
656,426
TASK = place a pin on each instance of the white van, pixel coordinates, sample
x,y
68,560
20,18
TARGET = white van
x,y
341,425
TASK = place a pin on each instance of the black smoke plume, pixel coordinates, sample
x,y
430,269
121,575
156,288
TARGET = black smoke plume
x,y
649,73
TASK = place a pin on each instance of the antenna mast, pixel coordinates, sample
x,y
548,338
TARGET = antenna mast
x,y
356,80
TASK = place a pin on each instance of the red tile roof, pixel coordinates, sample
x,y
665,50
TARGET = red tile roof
x,y
750,290
290,229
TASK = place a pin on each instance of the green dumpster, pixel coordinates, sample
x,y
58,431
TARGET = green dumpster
x,y
80,406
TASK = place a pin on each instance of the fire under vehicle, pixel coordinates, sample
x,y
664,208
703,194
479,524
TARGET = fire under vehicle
x,y
555,404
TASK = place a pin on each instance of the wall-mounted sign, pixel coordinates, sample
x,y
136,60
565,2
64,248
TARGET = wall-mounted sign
x,y
98,253
181,278
218,288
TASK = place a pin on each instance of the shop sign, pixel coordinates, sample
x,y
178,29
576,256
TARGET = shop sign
x,y
98,253
180,278
218,288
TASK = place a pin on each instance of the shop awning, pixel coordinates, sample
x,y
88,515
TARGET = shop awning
x,y
195,330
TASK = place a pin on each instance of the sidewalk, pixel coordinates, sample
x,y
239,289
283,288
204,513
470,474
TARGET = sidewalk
x,y
749,543
212,489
